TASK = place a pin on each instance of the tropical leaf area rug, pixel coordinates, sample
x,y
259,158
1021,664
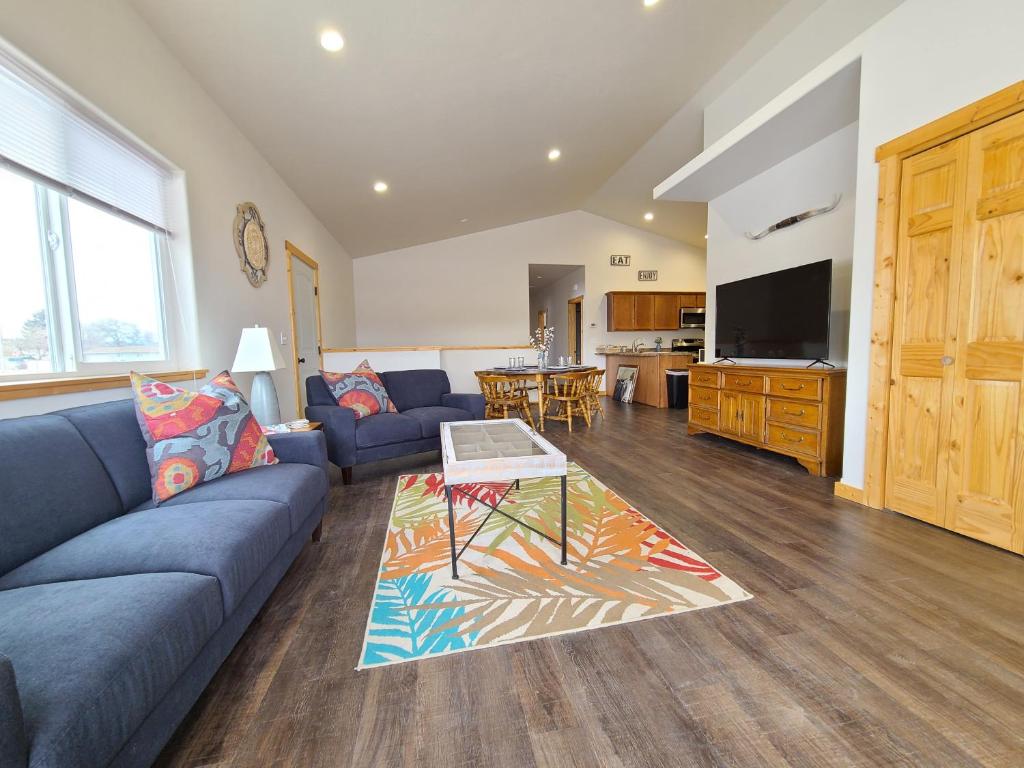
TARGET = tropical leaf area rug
x,y
622,567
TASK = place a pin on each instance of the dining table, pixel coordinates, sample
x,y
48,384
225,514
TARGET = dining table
x,y
540,376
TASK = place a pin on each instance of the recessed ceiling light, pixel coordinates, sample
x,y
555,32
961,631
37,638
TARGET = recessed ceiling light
x,y
539,277
463,221
649,3
380,187
648,216
554,154
331,40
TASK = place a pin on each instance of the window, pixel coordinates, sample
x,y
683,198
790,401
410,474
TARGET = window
x,y
80,288
86,284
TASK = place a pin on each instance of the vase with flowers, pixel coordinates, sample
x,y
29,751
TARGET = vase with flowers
x,y
541,343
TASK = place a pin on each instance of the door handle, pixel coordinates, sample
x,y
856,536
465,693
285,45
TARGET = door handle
x,y
946,360
302,359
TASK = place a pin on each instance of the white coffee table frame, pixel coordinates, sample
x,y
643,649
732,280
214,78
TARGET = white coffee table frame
x,y
550,463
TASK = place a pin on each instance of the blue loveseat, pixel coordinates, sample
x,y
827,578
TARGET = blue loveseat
x,y
114,615
423,398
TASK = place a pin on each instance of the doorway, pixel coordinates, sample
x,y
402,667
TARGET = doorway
x,y
304,295
575,328
551,287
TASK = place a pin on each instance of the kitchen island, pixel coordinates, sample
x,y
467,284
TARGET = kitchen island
x,y
651,387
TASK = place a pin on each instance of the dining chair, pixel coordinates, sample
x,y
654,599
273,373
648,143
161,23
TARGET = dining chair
x,y
569,394
594,392
502,393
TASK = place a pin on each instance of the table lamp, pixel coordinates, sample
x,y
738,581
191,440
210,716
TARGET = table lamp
x,y
257,353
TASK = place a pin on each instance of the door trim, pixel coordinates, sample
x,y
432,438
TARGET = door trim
x,y
575,310
292,252
890,156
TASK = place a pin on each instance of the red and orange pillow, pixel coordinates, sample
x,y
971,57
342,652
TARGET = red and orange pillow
x,y
194,437
361,390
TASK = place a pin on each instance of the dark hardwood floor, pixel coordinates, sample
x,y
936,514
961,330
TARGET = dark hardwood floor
x,y
872,639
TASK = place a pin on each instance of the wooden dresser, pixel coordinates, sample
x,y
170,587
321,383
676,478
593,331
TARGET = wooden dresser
x,y
794,411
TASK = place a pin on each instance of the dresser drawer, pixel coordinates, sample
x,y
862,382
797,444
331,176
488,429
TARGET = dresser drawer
x,y
699,378
799,414
794,386
744,382
792,440
704,417
704,397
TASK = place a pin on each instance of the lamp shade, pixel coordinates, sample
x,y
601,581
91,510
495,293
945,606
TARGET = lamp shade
x,y
257,352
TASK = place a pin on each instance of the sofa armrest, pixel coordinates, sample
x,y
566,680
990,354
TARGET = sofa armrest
x,y
300,448
474,403
340,431
13,741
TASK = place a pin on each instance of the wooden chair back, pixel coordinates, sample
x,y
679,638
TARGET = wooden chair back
x,y
569,386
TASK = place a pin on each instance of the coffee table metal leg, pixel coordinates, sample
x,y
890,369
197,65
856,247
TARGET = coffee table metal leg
x,y
451,529
565,560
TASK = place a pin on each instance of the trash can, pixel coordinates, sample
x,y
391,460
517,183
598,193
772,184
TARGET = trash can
x,y
678,387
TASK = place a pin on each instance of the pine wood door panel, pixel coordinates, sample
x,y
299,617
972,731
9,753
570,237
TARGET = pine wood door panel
x,y
752,409
924,328
986,470
729,419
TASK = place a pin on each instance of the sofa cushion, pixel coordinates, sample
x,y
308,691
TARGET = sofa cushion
x,y
112,431
232,541
300,487
52,487
93,658
13,741
386,428
431,416
194,437
317,391
416,389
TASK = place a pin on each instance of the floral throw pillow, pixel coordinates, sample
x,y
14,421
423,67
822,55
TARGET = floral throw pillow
x,y
194,437
361,390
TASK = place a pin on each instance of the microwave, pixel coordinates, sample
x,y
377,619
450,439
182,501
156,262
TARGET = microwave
x,y
691,317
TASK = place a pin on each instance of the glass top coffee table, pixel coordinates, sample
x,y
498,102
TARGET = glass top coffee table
x,y
495,451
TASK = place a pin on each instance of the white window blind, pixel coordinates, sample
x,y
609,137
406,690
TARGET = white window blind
x,y
48,134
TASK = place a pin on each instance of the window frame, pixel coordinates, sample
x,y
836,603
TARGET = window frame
x,y
67,356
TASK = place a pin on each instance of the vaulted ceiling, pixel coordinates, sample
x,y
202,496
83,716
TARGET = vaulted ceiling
x,y
456,103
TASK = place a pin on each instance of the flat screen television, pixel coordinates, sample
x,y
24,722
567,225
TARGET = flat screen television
x,y
780,315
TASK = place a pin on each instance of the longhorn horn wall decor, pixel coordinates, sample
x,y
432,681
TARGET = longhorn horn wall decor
x,y
795,219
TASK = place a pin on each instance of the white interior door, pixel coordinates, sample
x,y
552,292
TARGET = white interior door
x,y
306,319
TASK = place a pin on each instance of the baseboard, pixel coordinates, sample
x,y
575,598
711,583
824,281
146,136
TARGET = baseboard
x,y
848,492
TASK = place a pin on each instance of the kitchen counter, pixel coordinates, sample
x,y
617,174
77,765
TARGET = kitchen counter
x,y
643,353
651,386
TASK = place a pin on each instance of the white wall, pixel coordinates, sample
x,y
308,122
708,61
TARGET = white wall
x,y
923,60
105,52
554,299
474,289
811,40
806,180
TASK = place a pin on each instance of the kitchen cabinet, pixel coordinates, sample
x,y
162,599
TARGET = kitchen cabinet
x,y
621,311
649,310
666,311
643,312
651,385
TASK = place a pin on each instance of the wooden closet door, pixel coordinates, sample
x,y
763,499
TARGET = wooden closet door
x,y
924,329
986,480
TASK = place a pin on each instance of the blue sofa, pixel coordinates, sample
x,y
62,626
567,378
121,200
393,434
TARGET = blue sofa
x,y
114,615
423,398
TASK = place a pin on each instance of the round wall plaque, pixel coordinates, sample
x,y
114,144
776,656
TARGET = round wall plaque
x,y
251,243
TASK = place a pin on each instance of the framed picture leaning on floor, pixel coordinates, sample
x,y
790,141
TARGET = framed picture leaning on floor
x,y
625,382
